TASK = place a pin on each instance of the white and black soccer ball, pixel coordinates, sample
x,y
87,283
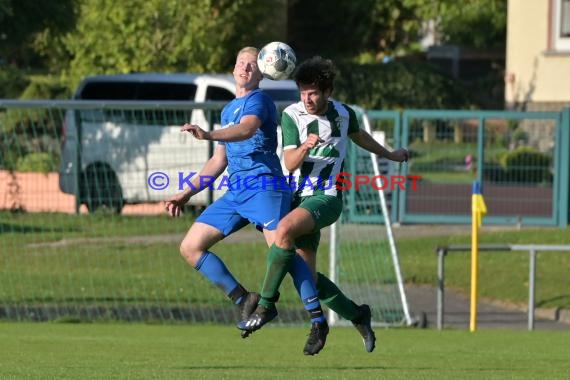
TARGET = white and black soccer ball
x,y
276,60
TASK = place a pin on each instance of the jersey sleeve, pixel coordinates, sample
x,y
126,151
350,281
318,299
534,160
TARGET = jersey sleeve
x,y
290,132
353,125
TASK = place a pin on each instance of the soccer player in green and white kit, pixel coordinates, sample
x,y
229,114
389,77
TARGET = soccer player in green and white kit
x,y
315,132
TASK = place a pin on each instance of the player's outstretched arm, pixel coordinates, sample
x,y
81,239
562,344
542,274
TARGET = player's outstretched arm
x,y
365,141
238,132
213,168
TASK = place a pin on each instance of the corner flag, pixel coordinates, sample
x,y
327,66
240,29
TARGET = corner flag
x,y
478,210
478,207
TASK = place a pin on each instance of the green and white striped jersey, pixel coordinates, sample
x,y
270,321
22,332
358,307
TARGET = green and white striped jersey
x,y
318,173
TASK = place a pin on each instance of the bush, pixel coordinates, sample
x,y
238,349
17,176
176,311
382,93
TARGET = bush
x,y
24,133
12,82
526,164
519,136
37,162
522,165
45,88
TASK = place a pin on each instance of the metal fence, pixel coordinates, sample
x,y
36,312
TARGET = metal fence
x,y
532,249
520,158
103,153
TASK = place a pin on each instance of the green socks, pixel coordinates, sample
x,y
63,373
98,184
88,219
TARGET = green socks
x,y
278,265
331,296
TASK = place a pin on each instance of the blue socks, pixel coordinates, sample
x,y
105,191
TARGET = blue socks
x,y
303,281
214,269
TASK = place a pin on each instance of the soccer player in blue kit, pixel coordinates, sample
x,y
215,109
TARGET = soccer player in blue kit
x,y
247,144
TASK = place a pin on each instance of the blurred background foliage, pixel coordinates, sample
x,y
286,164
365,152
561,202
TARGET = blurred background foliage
x,y
379,45
399,85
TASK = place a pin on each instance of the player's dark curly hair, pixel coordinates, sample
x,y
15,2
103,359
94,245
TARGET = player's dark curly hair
x,y
316,71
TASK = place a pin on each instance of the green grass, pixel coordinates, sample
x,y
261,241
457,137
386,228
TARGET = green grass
x,y
104,259
502,275
444,161
101,259
45,227
137,351
436,153
449,177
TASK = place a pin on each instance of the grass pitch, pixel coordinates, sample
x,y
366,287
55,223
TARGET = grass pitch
x,y
140,351
57,259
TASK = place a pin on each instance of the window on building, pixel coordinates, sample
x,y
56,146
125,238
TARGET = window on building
x,y
565,18
561,24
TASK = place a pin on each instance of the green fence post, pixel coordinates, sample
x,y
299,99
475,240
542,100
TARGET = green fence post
x,y
404,124
77,166
400,138
564,168
481,151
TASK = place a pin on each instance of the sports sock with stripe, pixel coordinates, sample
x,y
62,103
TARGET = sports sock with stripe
x,y
304,283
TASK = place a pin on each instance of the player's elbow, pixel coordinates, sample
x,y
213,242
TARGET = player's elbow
x,y
291,168
290,165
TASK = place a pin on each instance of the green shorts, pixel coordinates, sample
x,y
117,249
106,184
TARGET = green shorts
x,y
325,209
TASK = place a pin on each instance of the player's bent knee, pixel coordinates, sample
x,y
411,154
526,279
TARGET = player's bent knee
x,y
284,228
283,240
190,254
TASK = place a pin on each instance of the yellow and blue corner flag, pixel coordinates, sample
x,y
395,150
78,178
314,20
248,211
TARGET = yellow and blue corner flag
x,y
478,210
478,207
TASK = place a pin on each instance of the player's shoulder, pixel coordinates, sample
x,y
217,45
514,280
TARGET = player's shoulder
x,y
230,106
260,94
260,97
296,109
341,106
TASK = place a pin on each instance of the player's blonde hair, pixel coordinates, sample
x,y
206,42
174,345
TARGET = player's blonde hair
x,y
248,49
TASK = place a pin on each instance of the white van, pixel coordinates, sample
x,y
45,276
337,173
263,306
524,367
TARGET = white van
x,y
122,148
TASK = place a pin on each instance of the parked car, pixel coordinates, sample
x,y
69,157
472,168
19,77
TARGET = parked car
x,y
121,147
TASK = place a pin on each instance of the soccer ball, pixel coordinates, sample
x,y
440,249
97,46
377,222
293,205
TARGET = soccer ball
x,y
276,60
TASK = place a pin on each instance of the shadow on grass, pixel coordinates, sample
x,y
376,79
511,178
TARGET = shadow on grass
x,y
557,299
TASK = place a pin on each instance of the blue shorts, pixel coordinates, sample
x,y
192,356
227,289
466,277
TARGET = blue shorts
x,y
235,210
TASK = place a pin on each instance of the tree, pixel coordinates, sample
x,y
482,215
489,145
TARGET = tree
x,y
370,30
22,20
347,29
473,23
167,35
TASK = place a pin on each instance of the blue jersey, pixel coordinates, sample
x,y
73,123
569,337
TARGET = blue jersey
x,y
252,164
255,157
